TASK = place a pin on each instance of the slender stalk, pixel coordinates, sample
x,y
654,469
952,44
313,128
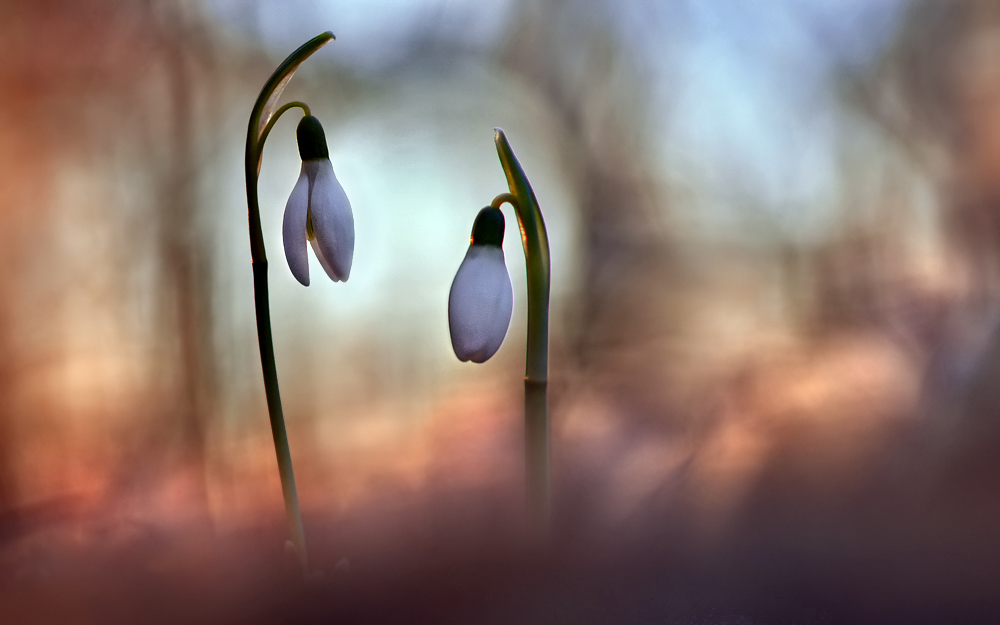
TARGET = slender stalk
x,y
536,259
262,119
266,130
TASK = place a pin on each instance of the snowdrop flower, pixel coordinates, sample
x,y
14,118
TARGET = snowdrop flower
x,y
317,211
481,299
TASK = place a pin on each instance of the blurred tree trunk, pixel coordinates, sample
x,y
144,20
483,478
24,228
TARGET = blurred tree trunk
x,y
66,69
41,71
186,274
9,249
184,348
935,91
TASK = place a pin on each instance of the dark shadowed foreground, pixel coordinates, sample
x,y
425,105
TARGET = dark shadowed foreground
x,y
896,546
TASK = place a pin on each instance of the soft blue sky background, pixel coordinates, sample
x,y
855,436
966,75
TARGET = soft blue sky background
x,y
749,140
753,117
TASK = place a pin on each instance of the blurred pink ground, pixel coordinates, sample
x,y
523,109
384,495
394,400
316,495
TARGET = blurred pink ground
x,y
769,516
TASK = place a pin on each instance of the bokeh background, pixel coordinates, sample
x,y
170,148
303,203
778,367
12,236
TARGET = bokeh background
x,y
775,348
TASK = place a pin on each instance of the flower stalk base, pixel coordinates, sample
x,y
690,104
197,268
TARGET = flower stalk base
x,y
262,119
536,259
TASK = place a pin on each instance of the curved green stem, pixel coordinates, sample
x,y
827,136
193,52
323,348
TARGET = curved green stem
x,y
274,118
262,119
536,259
509,198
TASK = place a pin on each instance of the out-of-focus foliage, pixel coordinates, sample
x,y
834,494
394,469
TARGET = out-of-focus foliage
x,y
775,285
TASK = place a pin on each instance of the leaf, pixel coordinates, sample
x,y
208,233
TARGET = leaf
x,y
267,101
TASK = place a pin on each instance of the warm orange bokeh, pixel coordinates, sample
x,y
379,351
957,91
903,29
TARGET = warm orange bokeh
x,y
774,340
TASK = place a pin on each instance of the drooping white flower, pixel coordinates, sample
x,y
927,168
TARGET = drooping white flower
x,y
481,298
317,211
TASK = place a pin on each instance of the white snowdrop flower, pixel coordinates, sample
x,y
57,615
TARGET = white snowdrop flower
x,y
481,299
317,211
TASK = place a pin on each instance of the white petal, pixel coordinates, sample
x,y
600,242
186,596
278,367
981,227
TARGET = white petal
x,y
480,304
332,221
293,229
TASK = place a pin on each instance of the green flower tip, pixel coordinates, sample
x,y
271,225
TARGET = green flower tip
x,y
488,227
312,139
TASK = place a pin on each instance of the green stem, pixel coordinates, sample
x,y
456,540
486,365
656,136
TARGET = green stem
x,y
262,119
509,198
274,118
536,259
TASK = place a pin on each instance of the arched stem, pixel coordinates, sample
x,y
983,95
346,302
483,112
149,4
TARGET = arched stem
x,y
535,241
509,198
274,118
262,118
